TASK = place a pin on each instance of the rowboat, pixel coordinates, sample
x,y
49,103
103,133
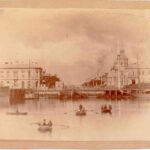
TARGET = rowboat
x,y
81,113
106,110
45,128
16,113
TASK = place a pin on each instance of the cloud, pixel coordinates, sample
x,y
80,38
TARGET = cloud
x,y
73,43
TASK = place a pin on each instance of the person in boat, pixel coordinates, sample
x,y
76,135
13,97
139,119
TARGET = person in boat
x,y
83,109
80,107
110,107
17,111
44,122
105,107
50,123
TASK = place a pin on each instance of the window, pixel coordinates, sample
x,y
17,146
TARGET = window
x,y
29,73
22,84
28,84
15,73
7,74
36,83
1,73
23,73
37,73
133,81
133,72
121,73
15,82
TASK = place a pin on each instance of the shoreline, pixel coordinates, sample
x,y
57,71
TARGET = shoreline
x,y
73,144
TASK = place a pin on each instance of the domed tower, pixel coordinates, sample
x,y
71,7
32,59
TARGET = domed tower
x,y
122,65
122,59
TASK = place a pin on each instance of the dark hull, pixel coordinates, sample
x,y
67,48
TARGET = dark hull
x,y
80,113
44,128
17,113
106,111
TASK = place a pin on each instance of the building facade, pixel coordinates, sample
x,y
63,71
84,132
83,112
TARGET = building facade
x,y
117,75
122,73
20,76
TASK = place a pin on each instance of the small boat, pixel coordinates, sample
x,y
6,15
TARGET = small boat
x,y
106,109
44,128
81,113
17,113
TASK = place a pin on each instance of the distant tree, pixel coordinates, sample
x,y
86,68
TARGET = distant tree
x,y
92,83
50,80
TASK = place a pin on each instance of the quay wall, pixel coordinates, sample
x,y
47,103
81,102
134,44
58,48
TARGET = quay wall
x,y
19,94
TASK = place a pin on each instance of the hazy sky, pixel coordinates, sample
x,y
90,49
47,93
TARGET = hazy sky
x,y
74,43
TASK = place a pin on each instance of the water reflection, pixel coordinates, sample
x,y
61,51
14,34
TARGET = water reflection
x,y
126,121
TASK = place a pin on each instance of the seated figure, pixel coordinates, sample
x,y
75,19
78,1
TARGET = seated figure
x,y
50,123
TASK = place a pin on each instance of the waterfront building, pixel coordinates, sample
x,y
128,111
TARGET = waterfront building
x,y
50,81
123,73
139,74
117,76
20,75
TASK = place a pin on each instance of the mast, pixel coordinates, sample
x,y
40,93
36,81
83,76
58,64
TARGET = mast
x,y
138,72
118,75
118,69
97,75
29,75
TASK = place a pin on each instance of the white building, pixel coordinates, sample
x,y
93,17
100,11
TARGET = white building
x,y
15,75
139,74
122,73
117,76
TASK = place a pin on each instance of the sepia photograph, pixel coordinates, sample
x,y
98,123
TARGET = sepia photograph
x,y
74,78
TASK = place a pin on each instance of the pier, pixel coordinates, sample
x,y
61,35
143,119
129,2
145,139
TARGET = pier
x,y
70,93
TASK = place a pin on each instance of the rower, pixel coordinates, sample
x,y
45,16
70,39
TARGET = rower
x,y
83,109
17,111
50,123
80,107
110,107
105,107
44,122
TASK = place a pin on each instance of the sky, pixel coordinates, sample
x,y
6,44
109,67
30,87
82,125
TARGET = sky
x,y
75,44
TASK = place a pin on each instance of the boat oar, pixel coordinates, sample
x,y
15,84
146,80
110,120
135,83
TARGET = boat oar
x,y
61,125
69,111
89,109
38,123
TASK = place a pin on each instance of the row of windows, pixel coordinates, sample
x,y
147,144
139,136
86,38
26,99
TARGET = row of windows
x,y
23,71
17,73
141,72
21,83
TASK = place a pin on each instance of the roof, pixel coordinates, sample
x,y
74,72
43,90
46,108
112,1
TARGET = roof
x,y
7,65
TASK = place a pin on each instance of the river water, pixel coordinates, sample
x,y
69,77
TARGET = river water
x,y
130,120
